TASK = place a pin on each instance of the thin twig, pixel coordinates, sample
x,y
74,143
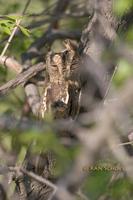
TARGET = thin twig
x,y
26,7
109,85
19,170
18,21
125,143
5,169
11,37
36,177
39,178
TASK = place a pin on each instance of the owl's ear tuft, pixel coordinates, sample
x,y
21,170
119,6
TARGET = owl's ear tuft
x,y
70,45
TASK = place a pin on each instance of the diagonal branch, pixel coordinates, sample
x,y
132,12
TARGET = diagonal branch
x,y
22,78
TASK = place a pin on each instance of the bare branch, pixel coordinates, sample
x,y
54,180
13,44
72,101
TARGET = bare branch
x,y
22,78
11,63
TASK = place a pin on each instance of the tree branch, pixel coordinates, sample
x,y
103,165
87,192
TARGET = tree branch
x,y
11,63
22,78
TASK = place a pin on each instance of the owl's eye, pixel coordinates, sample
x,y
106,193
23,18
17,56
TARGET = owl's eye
x,y
64,56
65,53
54,66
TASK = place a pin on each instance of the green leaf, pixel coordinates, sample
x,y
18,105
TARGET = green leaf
x,y
129,35
6,141
24,31
5,21
21,155
92,188
123,73
6,26
122,6
7,30
14,17
121,189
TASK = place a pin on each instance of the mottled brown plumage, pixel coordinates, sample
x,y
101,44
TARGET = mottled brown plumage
x,y
61,83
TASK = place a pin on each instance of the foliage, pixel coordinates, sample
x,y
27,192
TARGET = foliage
x,y
17,141
120,6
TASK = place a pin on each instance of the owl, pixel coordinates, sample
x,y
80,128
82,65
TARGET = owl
x,y
61,88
